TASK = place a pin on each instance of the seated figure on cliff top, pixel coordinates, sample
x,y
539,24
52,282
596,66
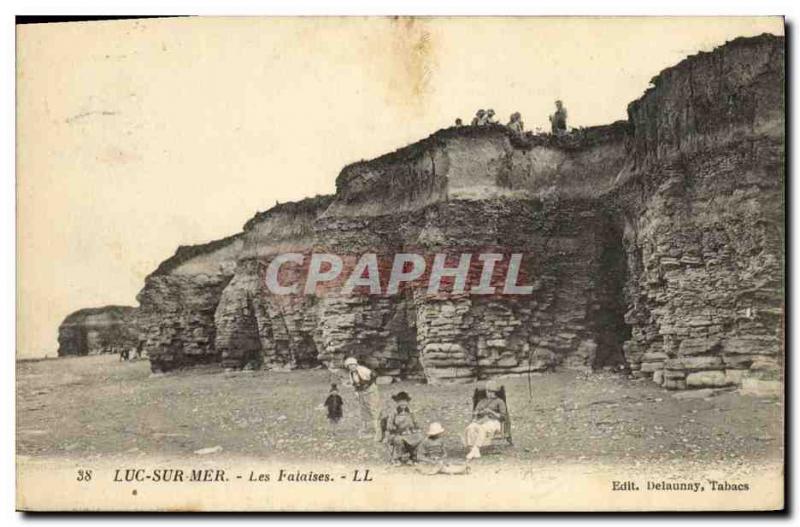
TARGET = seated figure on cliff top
x,y
515,123
480,118
558,121
490,117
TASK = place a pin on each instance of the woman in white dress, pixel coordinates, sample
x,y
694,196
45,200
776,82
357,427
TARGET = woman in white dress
x,y
487,420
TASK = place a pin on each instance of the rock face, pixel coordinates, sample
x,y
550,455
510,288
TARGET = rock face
x,y
704,218
460,191
655,242
93,331
258,328
177,304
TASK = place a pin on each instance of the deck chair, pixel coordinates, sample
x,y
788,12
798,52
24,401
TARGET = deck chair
x,y
504,435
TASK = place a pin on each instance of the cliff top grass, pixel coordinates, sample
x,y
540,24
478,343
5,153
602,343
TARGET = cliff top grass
x,y
687,63
81,314
184,253
308,206
576,140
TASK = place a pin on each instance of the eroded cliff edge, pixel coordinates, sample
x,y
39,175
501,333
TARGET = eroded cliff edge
x,y
655,243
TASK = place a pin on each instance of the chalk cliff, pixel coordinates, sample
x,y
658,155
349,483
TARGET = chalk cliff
x,y
93,331
654,243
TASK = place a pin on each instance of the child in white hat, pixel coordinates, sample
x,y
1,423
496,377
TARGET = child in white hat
x,y
432,455
432,450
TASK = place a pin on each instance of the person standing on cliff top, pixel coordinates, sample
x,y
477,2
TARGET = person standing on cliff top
x,y
558,121
369,398
479,119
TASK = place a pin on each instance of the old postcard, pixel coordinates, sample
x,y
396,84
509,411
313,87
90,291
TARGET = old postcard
x,y
401,264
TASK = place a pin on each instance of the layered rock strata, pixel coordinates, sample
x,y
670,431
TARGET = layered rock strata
x,y
704,219
461,191
93,331
655,243
178,301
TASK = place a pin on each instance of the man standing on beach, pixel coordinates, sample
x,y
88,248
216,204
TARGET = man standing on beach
x,y
369,399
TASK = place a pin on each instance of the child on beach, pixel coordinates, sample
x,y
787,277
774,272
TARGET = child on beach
x,y
334,405
404,435
431,450
432,455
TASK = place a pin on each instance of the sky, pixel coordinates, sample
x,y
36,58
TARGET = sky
x,y
135,137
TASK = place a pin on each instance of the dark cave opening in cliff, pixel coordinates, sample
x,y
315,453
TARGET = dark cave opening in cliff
x,y
407,346
612,331
306,355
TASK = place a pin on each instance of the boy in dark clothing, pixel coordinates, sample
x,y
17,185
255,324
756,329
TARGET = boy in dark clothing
x,y
334,405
